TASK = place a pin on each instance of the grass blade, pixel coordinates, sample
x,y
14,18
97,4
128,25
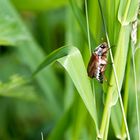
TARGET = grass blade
x,y
128,10
133,43
82,22
61,52
117,74
81,81
126,91
73,63
88,32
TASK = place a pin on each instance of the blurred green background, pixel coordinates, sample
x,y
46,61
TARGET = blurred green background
x,y
49,103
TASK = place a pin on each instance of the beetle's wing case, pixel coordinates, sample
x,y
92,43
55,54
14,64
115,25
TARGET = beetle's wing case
x,y
93,65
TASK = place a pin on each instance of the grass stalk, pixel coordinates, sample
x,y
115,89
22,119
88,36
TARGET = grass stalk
x,y
133,43
126,92
42,138
115,74
87,23
107,127
107,110
118,88
136,92
89,45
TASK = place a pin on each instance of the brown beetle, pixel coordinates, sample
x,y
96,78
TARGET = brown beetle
x,y
98,62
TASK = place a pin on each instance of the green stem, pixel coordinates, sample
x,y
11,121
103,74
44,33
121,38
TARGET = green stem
x,y
107,110
116,80
42,138
136,92
126,91
118,88
107,127
89,44
88,32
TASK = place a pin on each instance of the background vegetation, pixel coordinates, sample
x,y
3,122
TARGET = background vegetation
x,y
59,101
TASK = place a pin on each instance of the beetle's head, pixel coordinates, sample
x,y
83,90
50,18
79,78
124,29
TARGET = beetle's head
x,y
101,49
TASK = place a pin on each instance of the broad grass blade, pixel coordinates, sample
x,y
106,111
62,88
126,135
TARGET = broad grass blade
x,y
74,65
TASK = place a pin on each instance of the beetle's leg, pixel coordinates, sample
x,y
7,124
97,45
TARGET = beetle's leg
x,y
103,68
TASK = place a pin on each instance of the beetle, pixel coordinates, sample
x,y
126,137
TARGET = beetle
x,y
98,62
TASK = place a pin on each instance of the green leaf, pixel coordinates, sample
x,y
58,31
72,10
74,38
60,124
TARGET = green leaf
x,y
117,74
116,120
95,22
79,118
120,64
128,11
120,58
74,65
61,52
82,21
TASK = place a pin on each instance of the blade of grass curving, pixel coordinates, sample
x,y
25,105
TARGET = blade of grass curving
x,y
79,77
77,124
61,52
71,37
112,79
74,65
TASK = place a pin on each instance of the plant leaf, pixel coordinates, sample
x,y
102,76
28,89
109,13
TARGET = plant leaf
x,y
61,52
74,65
82,21
128,11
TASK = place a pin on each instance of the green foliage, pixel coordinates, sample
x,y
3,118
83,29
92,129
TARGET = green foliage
x,y
43,101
